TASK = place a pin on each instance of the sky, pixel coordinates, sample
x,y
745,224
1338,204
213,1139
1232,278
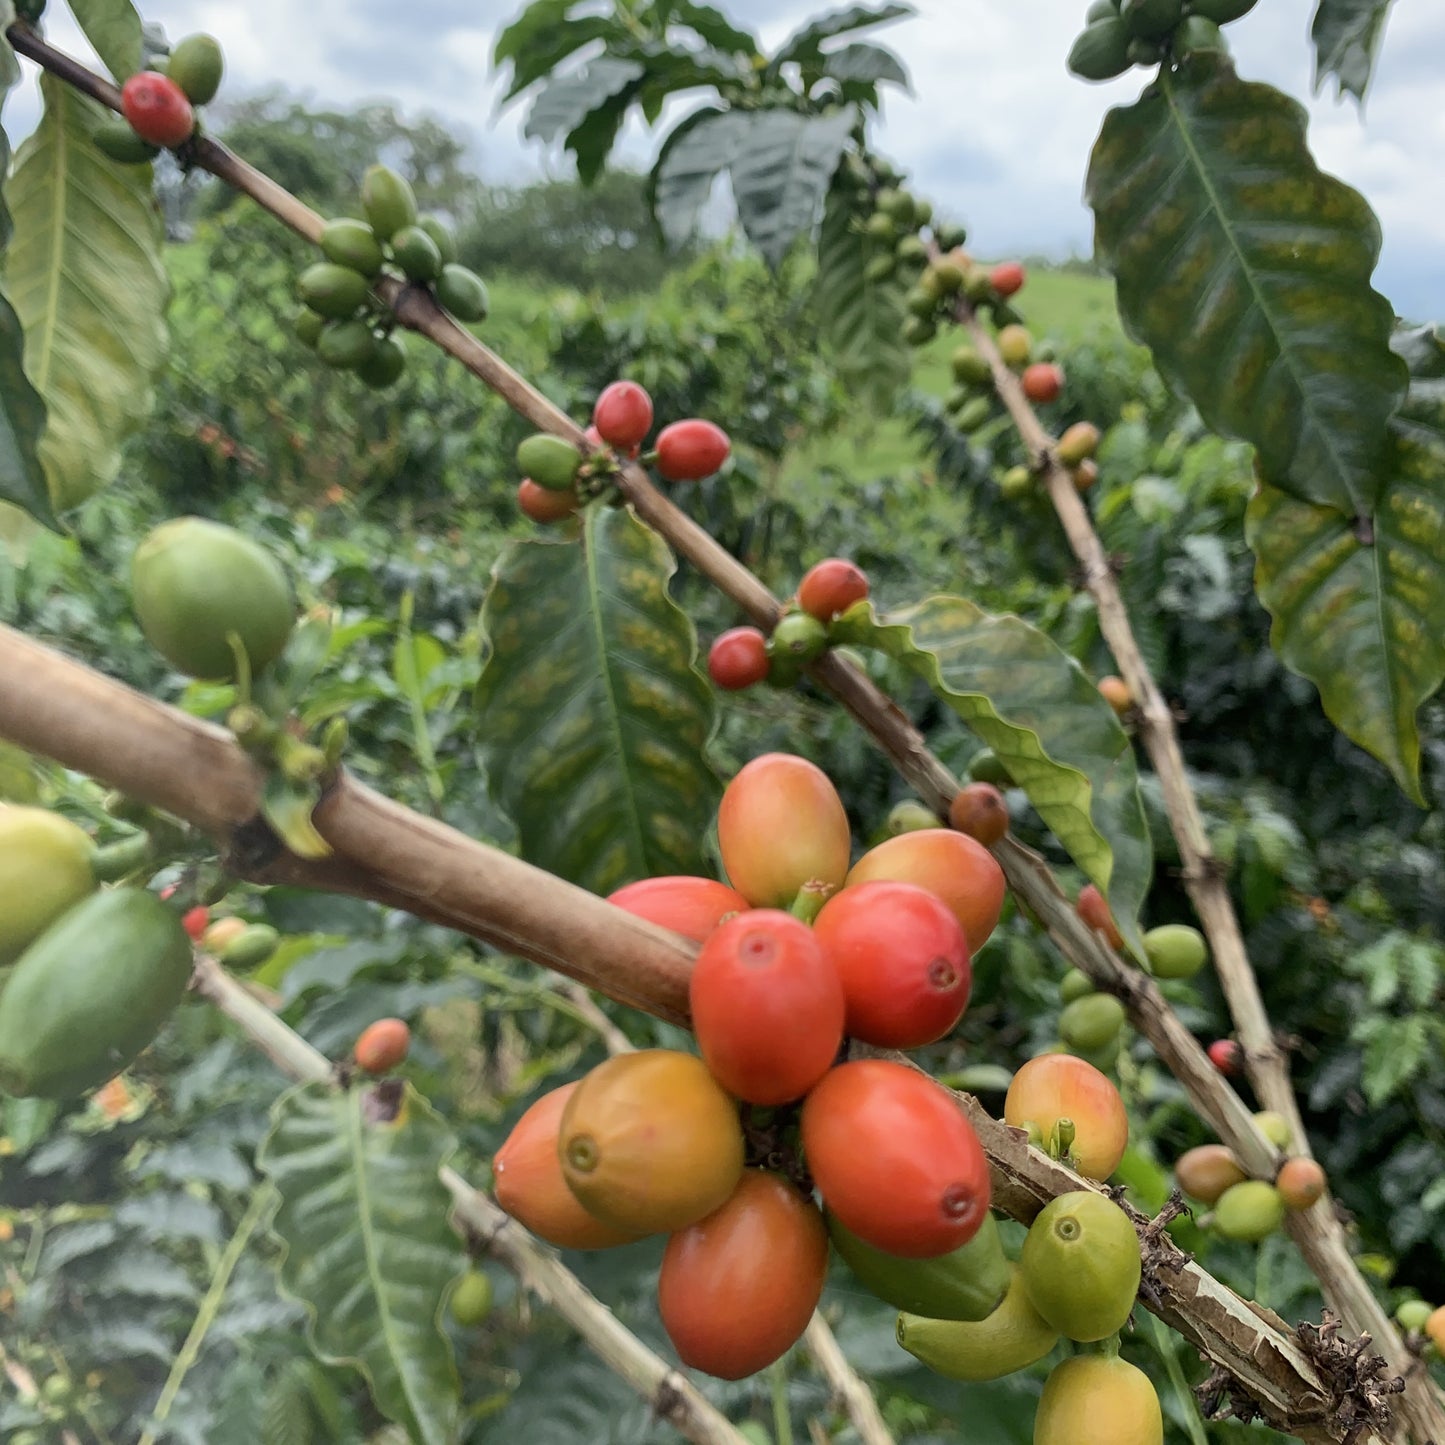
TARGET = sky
x,y
995,132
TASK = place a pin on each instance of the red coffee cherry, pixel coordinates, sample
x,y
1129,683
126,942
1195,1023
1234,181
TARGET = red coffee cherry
x,y
1008,278
157,109
1227,1057
1043,381
688,451
542,504
623,414
738,659
832,587
382,1045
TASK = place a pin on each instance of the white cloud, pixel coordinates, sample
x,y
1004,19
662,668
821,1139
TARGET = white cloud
x,y
996,133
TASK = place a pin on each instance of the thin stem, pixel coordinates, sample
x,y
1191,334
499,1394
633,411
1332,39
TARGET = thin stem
x,y
210,1308
782,1412
1164,1348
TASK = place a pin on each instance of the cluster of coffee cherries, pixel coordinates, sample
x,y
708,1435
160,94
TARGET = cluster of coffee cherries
x,y
1242,1208
743,657
780,1139
559,476
342,319
159,104
1122,33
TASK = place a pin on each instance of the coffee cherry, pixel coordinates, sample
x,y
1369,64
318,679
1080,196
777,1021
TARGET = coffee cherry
x,y
1008,278
979,810
1205,1172
1249,1212
688,451
623,414
1015,345
1412,1314
195,921
1274,1127
382,1046
799,636
1042,382
544,505
157,109
1086,474
738,659
1227,1057
832,587
1096,913
1301,1183
1079,443
1115,692
196,65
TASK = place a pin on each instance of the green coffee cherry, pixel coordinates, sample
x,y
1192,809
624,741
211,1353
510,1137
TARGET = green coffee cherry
x,y
442,237
880,268
1017,483
385,364
388,200
919,303
958,397
196,66
309,326
1250,1212
1075,984
970,368
1091,1023
1102,51
977,284
911,251
1151,19
909,816
922,211
988,767
1412,1314
116,139
463,293
799,636
251,948
942,278
549,461
346,345
949,235
919,332
881,227
335,291
352,244
973,414
1101,10
1175,950
1222,11
417,254
1145,52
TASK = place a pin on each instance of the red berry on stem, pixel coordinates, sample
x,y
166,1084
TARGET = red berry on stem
x,y
1095,912
690,906
196,920
1226,1056
738,659
832,587
382,1045
1008,278
688,451
157,109
623,414
767,1006
895,1159
903,960
979,810
1043,381
542,504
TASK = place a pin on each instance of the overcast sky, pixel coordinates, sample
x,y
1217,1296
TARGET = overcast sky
x,y
996,132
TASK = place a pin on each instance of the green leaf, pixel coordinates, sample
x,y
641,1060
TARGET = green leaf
x,y
363,1218
566,101
781,174
865,64
113,28
1346,35
22,424
591,142
86,279
9,77
1033,705
692,157
715,28
862,318
1247,272
807,42
592,716
1358,606
541,38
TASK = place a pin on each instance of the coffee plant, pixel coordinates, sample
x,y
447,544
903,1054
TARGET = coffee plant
x,y
595,990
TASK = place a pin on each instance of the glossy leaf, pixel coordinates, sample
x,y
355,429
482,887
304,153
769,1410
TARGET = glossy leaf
x,y
1359,605
714,27
862,63
781,174
692,157
592,716
1033,705
22,423
541,38
1347,35
114,30
862,318
807,42
567,100
362,1216
1247,272
84,273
